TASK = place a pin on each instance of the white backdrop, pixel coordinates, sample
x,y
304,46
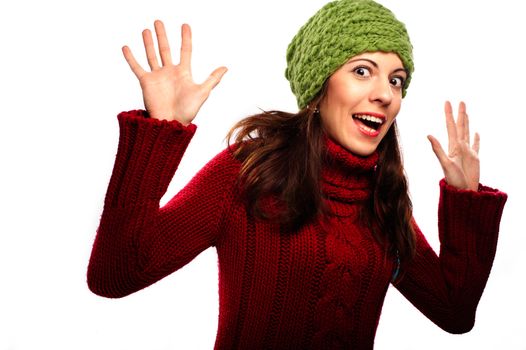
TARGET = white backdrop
x,y
63,80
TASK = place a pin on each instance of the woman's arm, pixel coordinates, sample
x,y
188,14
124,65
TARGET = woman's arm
x,y
448,287
137,242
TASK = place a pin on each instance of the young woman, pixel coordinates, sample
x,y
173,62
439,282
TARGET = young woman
x,y
309,211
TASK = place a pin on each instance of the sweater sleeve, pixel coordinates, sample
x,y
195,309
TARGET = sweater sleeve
x,y
448,287
137,242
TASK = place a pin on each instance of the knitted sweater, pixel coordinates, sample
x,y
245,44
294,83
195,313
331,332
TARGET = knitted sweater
x,y
319,288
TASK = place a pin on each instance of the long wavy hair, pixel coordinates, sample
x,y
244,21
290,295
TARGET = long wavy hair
x,y
282,155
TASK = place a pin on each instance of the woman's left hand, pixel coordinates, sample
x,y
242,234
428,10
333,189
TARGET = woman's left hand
x,y
461,164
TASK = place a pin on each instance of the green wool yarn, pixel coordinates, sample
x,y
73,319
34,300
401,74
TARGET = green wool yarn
x,y
338,31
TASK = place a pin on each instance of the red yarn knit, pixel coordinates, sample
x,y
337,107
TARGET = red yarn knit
x,y
320,288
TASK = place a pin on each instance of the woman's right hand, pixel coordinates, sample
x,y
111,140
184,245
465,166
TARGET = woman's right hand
x,y
169,91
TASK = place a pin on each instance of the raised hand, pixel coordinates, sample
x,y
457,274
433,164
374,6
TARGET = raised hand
x,y
169,91
461,165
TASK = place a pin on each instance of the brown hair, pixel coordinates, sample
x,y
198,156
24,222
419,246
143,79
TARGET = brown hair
x,y
282,155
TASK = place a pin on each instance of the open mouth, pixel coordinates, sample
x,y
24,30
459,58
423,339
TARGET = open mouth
x,y
368,122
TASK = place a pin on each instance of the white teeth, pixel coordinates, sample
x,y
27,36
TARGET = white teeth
x,y
368,129
369,118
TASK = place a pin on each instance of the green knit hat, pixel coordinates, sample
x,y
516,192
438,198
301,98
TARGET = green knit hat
x,y
337,32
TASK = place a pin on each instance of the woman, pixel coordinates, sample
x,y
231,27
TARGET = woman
x,y
309,212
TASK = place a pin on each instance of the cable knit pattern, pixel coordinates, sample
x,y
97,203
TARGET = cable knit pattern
x,y
353,257
319,288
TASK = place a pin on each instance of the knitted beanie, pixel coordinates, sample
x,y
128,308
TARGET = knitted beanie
x,y
337,32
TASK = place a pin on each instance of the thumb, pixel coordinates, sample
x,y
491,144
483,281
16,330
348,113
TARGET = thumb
x,y
214,78
438,150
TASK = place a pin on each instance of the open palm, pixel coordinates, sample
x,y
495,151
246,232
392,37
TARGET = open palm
x,y
169,91
461,164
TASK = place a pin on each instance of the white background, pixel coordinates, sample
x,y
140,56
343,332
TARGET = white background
x,y
63,80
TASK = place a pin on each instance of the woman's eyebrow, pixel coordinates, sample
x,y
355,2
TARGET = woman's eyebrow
x,y
364,59
401,70
376,64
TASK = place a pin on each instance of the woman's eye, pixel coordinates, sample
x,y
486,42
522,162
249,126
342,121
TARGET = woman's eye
x,y
397,82
362,71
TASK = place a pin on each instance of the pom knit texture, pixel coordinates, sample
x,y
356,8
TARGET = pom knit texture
x,y
319,288
337,32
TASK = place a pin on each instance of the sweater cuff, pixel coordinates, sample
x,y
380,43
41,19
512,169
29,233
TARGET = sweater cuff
x,y
469,220
141,115
148,155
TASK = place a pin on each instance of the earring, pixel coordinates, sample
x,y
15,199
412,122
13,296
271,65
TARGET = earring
x,y
315,110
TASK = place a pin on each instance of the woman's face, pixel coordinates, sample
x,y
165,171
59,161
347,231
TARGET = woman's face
x,y
362,100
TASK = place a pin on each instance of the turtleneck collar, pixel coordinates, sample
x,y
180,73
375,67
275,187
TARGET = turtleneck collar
x,y
347,177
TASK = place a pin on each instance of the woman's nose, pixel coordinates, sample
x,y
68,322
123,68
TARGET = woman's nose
x,y
382,91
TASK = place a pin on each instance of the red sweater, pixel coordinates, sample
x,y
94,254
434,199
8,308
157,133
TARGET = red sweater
x,y
320,288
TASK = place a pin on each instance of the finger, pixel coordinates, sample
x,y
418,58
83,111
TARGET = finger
x,y
214,78
438,150
451,127
150,49
186,46
162,41
476,143
132,62
462,123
